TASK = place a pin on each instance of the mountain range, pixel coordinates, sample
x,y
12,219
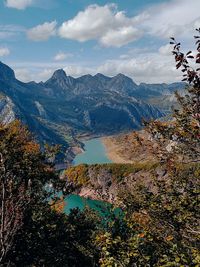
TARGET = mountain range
x,y
64,108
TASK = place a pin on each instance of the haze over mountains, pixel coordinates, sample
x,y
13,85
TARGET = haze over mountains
x,y
64,107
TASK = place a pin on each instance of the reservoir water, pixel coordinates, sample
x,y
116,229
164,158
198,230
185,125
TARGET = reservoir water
x,y
75,201
94,153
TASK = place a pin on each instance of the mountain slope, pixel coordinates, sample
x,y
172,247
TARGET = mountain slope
x,y
63,107
7,109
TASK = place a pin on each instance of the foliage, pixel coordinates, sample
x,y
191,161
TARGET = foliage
x,y
23,174
80,175
33,231
51,239
161,228
181,136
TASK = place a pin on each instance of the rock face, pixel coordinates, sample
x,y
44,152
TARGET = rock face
x,y
107,182
98,102
63,106
7,110
6,73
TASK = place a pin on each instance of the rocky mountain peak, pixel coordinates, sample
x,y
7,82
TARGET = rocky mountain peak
x,y
60,80
86,78
6,73
102,77
59,74
123,84
123,78
88,104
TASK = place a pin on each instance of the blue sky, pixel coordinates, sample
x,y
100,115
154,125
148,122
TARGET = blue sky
x,y
81,36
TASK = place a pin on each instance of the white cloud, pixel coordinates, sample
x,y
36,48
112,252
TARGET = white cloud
x,y
111,27
6,35
173,18
77,71
40,72
140,65
37,75
165,50
121,36
61,56
103,23
10,31
42,32
4,51
149,68
45,74
19,4
23,75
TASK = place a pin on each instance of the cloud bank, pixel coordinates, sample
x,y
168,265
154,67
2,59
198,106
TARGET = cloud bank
x,y
42,32
103,23
19,4
61,56
4,51
112,27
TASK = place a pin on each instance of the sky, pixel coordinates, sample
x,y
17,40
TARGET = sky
x,y
88,37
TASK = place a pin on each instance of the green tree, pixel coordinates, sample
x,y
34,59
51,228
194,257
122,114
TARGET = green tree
x,y
32,231
161,228
23,174
181,136
51,239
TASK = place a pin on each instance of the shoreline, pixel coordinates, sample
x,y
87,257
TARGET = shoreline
x,y
112,150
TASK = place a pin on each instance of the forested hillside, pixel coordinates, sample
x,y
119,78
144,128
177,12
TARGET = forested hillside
x,y
157,199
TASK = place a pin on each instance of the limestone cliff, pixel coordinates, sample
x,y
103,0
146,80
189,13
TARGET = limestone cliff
x,y
7,110
106,182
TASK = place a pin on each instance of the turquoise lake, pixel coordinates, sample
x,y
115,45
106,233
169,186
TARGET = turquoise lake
x,y
94,153
75,201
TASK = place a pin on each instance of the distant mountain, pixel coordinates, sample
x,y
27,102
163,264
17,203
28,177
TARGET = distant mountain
x,y
64,107
146,91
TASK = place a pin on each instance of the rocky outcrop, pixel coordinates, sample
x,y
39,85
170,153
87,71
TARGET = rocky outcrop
x,y
7,110
106,182
6,73
105,187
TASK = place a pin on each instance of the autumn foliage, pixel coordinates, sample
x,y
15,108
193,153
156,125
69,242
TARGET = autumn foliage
x,y
161,228
181,135
156,227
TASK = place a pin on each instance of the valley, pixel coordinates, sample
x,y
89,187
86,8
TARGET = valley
x,y
83,115
64,109
99,133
